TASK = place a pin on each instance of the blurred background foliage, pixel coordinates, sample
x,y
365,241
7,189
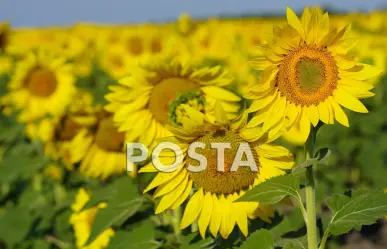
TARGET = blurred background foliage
x,y
37,191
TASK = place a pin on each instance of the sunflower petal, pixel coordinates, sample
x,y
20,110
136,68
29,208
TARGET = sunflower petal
x,y
193,209
348,101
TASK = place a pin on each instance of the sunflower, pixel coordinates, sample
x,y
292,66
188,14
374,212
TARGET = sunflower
x,y
42,84
4,33
307,75
213,191
105,156
83,220
152,96
65,137
115,60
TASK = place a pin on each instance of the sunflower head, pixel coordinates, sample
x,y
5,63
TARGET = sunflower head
x,y
308,75
42,84
215,187
155,90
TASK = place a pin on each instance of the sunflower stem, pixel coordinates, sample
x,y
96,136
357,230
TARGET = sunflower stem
x,y
310,192
324,240
176,222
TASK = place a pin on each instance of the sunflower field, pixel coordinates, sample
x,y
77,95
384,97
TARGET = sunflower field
x,y
305,93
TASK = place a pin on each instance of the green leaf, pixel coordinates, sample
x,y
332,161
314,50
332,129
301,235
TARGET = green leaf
x,y
320,157
14,225
261,239
41,244
124,203
363,208
21,162
273,190
194,241
141,237
290,223
108,192
298,243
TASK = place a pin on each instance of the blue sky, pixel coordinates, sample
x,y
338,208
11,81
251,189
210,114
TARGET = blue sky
x,y
66,12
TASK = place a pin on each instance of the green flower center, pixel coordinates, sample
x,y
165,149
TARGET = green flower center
x,y
176,109
165,92
311,74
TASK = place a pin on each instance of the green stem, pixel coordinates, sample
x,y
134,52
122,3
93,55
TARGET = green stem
x,y
311,209
310,192
324,240
176,222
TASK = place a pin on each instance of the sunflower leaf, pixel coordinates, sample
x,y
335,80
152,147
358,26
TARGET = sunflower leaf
x,y
261,239
320,157
298,243
364,207
122,204
273,190
21,162
193,241
138,238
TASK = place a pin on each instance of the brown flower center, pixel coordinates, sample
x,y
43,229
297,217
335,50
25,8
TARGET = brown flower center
x,y
156,46
226,182
41,82
68,129
135,45
107,137
308,75
165,92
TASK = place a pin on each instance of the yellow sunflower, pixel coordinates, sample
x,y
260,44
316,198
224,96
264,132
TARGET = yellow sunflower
x,y
65,137
82,222
152,96
214,192
307,75
4,33
42,84
105,156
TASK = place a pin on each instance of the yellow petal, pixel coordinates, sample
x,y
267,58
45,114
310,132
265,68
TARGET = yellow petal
x,y
293,19
323,112
205,215
183,196
304,124
340,115
348,101
220,93
313,114
241,217
220,114
216,217
272,151
360,72
171,185
161,178
168,199
193,209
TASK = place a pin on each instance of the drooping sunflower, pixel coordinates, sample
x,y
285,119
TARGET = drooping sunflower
x,y
308,76
152,95
82,222
63,136
214,192
105,156
42,84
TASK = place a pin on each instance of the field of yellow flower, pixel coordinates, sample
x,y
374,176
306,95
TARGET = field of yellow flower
x,y
72,97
